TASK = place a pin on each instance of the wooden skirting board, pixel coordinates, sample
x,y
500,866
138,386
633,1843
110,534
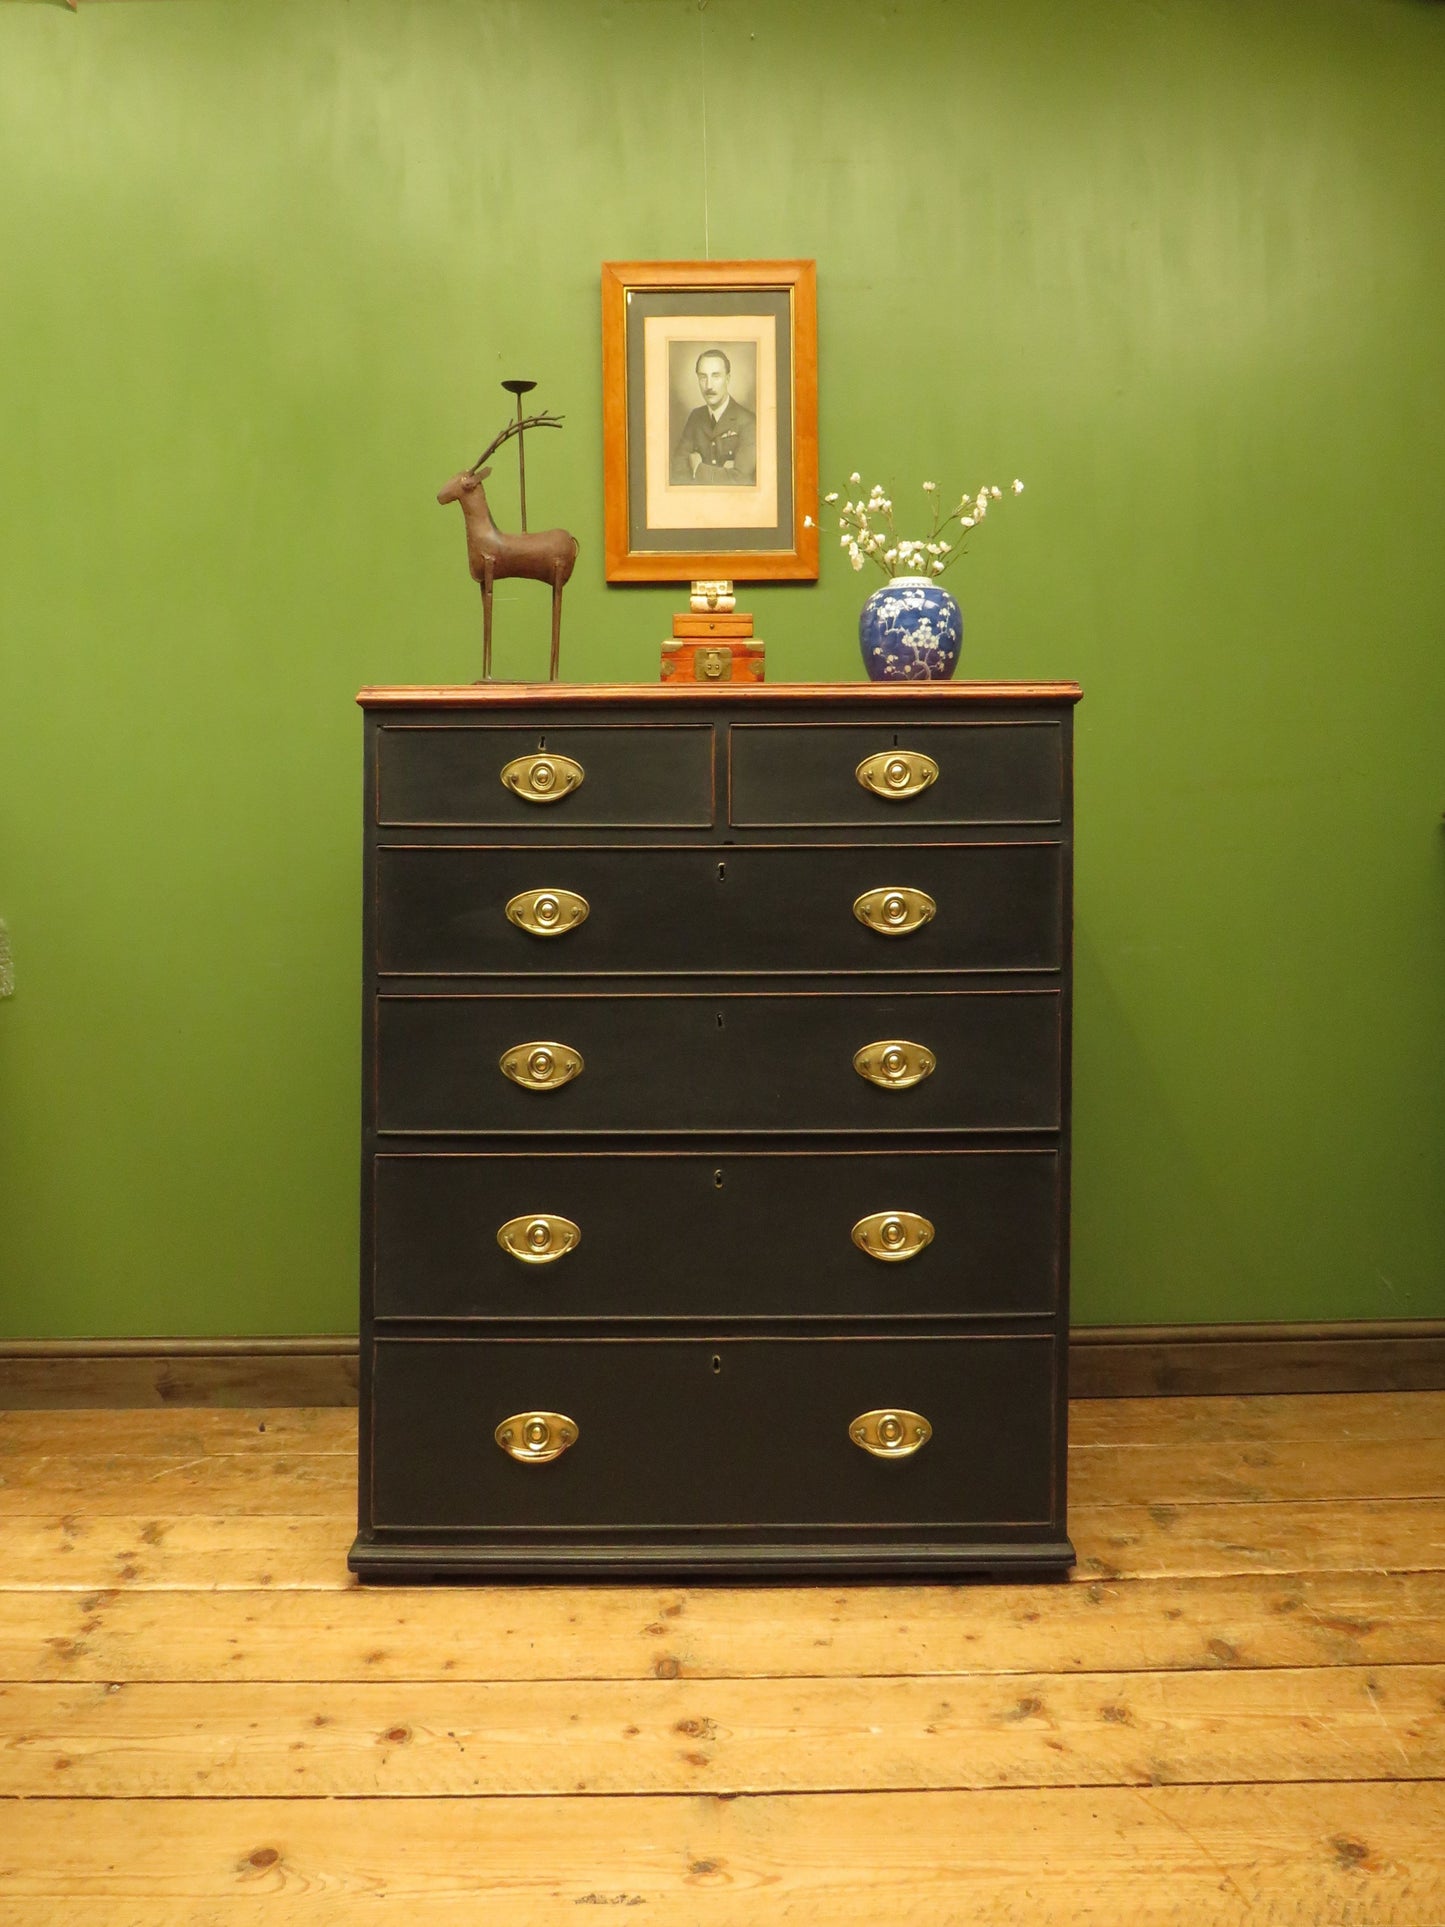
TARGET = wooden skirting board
x,y
1105,1361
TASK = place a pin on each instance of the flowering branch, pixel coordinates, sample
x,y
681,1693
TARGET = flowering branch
x,y
871,535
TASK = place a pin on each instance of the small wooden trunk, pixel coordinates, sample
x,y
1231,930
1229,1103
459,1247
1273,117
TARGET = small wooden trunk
x,y
720,659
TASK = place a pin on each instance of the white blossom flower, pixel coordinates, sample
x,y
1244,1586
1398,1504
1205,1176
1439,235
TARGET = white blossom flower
x,y
831,498
808,522
856,559
930,488
938,568
1018,486
995,493
845,541
855,476
967,522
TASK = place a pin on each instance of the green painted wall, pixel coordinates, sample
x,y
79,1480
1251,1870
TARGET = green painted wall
x,y
1179,263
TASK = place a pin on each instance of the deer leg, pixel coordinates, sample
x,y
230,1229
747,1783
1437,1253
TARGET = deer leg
x,y
486,622
556,624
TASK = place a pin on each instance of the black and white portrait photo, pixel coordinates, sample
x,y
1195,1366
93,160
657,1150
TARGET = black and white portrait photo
x,y
713,412
710,420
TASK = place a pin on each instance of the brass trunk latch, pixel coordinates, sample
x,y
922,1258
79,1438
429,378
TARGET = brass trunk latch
x,y
895,913
897,774
533,1438
892,1236
894,1064
542,779
548,913
539,1240
542,1066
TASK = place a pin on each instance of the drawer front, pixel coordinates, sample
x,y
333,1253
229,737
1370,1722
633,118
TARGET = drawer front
x,y
726,1063
684,1235
443,910
987,773
451,773
737,1434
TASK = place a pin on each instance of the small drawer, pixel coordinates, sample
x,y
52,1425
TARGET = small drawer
x,y
722,1235
450,910
606,775
987,772
736,1062
734,1434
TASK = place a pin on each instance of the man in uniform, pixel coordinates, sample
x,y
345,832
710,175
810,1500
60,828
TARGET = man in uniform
x,y
719,442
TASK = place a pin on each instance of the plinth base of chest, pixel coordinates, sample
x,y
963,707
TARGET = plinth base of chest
x,y
381,1563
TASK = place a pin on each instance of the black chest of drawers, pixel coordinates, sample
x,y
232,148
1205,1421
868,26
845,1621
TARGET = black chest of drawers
x,y
715,1161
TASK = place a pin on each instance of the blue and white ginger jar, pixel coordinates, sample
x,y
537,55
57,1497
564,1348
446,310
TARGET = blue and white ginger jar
x,y
910,632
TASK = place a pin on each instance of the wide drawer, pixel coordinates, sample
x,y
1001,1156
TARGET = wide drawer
x,y
452,773
735,1062
687,1235
444,910
988,772
734,1434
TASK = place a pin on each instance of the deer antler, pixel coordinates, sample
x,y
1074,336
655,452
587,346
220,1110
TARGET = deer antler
x,y
543,420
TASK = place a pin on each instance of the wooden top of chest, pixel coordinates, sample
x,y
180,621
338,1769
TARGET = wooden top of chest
x,y
505,695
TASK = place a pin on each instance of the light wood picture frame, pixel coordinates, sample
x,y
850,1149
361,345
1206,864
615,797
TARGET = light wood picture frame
x,y
710,420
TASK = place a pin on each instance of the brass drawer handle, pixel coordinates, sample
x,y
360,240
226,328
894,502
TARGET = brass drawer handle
x,y
893,1236
534,1438
897,774
540,1239
895,913
542,779
890,1434
894,1064
548,913
542,1066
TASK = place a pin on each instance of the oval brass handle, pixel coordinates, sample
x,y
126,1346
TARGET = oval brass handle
x,y
893,1236
895,913
533,1438
894,1064
894,1434
897,774
540,1239
542,1066
548,913
542,779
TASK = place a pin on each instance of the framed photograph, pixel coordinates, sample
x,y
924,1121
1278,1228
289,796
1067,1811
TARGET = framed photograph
x,y
710,420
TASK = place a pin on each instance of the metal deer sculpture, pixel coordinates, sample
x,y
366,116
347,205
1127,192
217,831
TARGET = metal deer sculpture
x,y
495,556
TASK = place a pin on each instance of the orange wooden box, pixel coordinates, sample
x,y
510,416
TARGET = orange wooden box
x,y
694,628
720,661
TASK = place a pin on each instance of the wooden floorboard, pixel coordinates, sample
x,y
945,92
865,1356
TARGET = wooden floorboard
x,y
639,1633
1233,1713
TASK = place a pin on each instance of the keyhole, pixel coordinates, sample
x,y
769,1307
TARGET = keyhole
x,y
719,1020
542,742
716,1362
722,873
717,1179
895,742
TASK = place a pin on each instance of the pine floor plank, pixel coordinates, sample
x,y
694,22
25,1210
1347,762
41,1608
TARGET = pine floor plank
x,y
181,1431
195,1551
292,1482
230,1741
1294,1418
1239,1856
1277,1473
627,1632
186,1432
